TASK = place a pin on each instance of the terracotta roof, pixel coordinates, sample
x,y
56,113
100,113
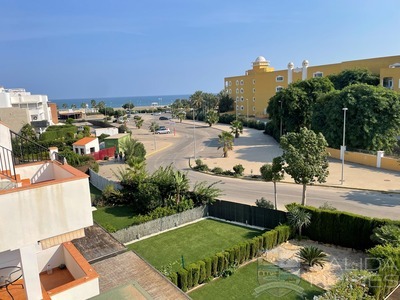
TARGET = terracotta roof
x,y
84,141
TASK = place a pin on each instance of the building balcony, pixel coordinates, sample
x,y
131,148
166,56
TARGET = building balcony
x,y
47,199
69,276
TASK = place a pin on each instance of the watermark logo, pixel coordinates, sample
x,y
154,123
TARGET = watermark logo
x,y
278,281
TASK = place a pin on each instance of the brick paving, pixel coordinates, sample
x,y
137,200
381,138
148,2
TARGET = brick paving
x,y
123,268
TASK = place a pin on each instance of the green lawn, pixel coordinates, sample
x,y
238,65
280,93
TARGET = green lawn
x,y
116,217
195,241
246,284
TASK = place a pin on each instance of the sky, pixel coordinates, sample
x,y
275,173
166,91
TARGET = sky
x,y
86,48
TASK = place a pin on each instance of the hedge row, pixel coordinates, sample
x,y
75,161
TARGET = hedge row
x,y
342,228
215,266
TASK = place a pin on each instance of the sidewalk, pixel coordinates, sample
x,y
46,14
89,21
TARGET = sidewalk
x,y
253,149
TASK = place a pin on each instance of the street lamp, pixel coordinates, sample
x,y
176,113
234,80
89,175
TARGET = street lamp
x,y
194,136
343,147
281,128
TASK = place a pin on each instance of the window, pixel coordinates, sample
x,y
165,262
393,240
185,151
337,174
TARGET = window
x,y
237,99
241,91
92,150
279,78
230,91
226,83
318,74
241,82
254,108
254,81
254,90
237,107
388,82
230,83
279,88
237,91
237,82
241,99
242,107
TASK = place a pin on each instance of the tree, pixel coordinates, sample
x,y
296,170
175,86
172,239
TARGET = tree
x,y
236,128
298,217
226,103
101,105
64,105
306,158
28,132
93,103
181,115
212,117
73,106
196,101
264,203
225,140
387,235
372,117
128,105
139,122
210,101
353,76
293,106
83,105
181,184
273,173
154,127
133,148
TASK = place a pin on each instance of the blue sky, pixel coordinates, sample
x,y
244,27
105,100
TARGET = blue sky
x,y
86,48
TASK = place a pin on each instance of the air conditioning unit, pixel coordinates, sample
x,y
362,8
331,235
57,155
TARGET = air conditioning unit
x,y
34,117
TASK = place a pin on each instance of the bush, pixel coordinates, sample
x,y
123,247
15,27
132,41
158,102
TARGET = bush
x,y
312,256
183,280
214,266
217,170
221,263
327,206
238,169
264,203
200,166
283,233
174,278
387,234
202,271
228,173
270,239
208,266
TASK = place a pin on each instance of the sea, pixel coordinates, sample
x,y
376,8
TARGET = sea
x,y
117,102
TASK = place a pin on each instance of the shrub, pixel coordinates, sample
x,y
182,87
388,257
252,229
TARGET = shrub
x,y
221,263
242,253
214,266
174,278
264,203
312,256
283,233
327,206
217,170
208,264
228,173
200,166
109,228
106,158
193,275
270,239
183,280
238,169
202,271
386,234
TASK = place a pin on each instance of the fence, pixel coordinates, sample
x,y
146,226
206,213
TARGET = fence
x,y
247,214
103,153
137,231
100,182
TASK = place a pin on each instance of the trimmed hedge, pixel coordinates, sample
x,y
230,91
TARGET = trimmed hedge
x,y
342,228
214,266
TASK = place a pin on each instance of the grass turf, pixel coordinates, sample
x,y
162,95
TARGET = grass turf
x,y
115,218
195,241
245,284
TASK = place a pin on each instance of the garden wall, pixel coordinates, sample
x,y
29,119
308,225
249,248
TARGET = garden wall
x,y
100,182
246,214
155,226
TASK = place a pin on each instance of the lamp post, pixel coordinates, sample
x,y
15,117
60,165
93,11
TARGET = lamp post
x,y
343,147
194,136
281,128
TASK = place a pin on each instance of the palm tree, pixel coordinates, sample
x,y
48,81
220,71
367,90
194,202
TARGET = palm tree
x,y
139,122
181,115
73,106
64,105
181,184
93,103
225,140
312,256
83,105
212,117
153,127
197,100
236,128
298,217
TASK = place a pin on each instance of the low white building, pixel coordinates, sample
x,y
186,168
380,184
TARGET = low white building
x,y
44,205
87,145
37,105
109,130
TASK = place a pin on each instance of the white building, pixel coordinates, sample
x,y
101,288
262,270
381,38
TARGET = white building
x,y
19,98
44,205
87,145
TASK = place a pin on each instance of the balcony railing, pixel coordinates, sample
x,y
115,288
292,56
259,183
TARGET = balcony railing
x,y
27,151
7,163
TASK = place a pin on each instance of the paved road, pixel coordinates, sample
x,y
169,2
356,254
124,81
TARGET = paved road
x,y
369,203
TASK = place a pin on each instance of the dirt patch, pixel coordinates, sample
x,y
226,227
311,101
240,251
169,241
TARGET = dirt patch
x,y
340,261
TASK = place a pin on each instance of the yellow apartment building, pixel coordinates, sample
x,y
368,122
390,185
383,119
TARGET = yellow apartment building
x,y
253,90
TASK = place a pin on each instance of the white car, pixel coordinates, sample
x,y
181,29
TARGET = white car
x,y
163,131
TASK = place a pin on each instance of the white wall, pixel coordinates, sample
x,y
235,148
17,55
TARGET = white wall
x,y
110,131
53,256
83,291
72,266
34,214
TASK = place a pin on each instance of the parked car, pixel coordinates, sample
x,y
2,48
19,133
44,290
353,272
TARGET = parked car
x,y
163,118
163,130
